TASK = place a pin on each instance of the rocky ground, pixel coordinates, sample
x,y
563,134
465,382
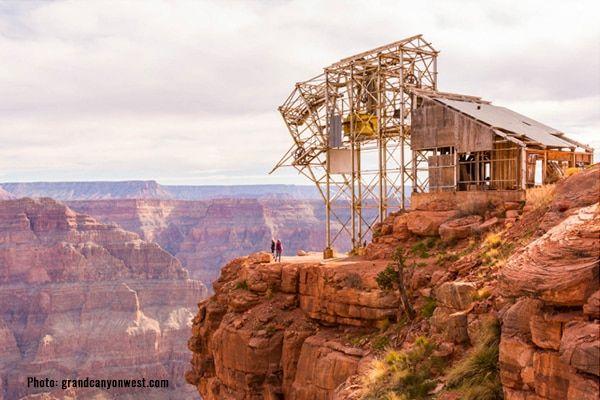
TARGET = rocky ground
x,y
79,298
506,299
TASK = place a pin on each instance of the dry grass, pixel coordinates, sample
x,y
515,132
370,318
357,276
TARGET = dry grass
x,y
572,171
476,376
540,196
403,375
492,241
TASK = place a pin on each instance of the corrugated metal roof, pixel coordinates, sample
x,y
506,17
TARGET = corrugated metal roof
x,y
503,118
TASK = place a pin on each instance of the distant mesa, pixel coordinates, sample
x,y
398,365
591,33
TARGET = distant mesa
x,y
98,190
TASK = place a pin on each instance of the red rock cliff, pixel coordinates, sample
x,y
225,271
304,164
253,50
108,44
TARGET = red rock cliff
x,y
306,329
80,298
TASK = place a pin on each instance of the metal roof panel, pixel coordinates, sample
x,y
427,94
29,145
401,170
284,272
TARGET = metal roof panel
x,y
505,119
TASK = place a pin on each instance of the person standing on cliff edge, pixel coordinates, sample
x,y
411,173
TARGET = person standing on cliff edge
x,y
278,250
272,247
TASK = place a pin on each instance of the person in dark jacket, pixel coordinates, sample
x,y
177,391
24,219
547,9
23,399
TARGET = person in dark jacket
x,y
273,247
278,250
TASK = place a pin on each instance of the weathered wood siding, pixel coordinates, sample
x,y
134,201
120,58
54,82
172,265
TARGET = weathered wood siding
x,y
436,125
505,166
441,172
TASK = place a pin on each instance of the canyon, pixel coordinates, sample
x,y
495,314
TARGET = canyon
x,y
79,298
205,234
506,296
202,226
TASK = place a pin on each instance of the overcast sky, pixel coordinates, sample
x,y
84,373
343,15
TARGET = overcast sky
x,y
186,92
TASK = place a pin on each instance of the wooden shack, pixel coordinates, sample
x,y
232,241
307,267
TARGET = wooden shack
x,y
469,144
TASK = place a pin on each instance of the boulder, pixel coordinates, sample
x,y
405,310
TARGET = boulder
x,y
459,228
545,332
580,346
456,328
456,295
261,257
427,223
400,228
592,305
301,253
516,319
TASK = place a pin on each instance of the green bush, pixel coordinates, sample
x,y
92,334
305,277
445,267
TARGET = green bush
x,y
353,280
387,278
429,307
420,249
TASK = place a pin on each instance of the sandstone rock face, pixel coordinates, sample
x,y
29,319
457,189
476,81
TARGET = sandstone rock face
x,y
579,190
460,228
561,267
80,298
580,347
274,329
205,234
427,223
550,343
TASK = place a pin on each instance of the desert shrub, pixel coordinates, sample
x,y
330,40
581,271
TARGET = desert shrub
x,y
431,242
492,240
242,285
482,293
444,258
382,324
380,342
539,196
353,280
387,278
476,376
403,374
428,307
420,249
572,171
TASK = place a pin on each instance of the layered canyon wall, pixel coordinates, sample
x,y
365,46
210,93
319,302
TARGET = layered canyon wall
x,y
204,235
79,298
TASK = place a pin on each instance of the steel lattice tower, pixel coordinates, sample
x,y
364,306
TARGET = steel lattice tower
x,y
351,131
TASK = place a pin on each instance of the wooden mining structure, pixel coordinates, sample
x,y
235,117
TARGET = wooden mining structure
x,y
373,129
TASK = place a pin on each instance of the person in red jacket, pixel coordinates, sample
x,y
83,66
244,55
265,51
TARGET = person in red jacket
x,y
278,250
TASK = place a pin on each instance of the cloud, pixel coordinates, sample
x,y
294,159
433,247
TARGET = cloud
x,y
187,91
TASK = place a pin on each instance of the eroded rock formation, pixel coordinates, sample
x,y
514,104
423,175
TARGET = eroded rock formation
x,y
305,329
79,298
276,329
204,235
552,349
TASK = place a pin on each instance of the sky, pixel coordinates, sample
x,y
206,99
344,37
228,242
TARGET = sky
x,y
186,92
